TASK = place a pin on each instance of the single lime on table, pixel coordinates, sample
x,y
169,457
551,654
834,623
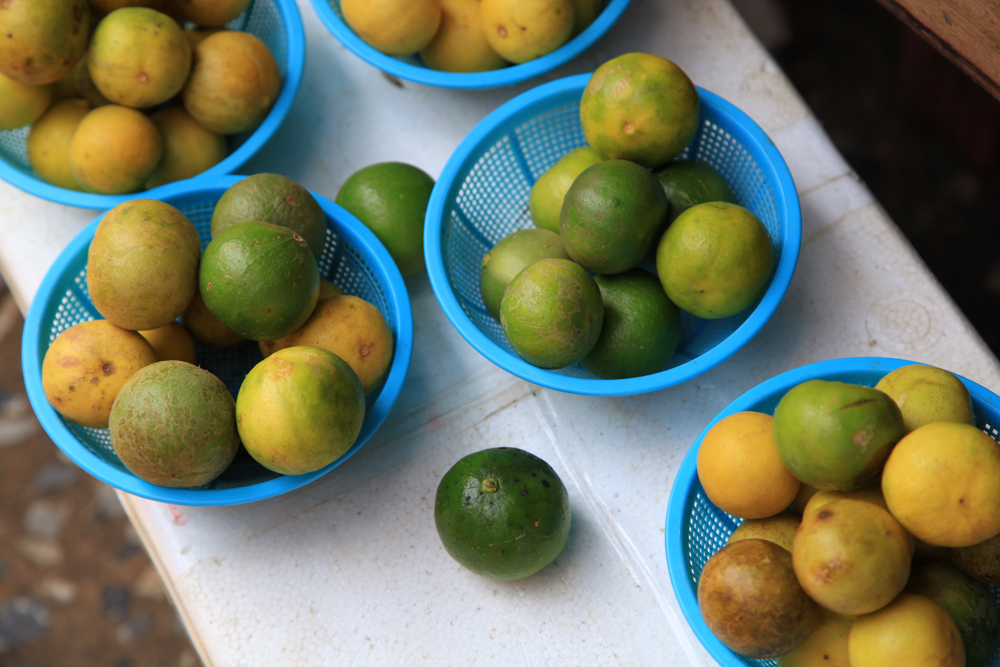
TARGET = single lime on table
x,y
390,198
511,255
502,513
641,330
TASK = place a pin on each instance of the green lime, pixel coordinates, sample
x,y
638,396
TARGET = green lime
x,y
276,199
547,194
715,260
641,330
510,256
639,107
390,198
502,513
612,215
260,280
551,313
687,183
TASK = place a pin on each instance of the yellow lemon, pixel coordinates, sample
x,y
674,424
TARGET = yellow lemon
x,y
394,27
911,631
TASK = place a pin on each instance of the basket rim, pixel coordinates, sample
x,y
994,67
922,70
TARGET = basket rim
x,y
345,225
507,76
686,481
295,37
469,151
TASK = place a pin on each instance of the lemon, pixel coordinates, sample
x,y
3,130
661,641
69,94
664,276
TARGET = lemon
x,y
911,631
394,27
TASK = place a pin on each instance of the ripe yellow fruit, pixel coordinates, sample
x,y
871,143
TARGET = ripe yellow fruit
x,y
942,483
911,631
394,27
740,470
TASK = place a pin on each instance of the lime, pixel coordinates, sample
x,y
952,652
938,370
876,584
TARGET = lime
x,y
510,256
276,199
641,330
715,260
639,107
612,215
260,280
300,410
547,194
502,513
687,183
390,198
552,313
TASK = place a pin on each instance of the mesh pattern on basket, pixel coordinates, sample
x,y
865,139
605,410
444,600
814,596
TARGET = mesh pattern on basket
x,y
352,269
707,528
493,202
261,18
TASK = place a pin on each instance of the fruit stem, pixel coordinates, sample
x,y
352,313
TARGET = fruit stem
x,y
489,485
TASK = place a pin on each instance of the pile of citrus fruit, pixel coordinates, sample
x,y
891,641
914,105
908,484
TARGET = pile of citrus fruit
x,y
257,282
872,526
571,289
120,97
468,35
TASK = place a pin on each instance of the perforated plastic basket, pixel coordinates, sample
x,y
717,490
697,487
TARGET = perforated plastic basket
x,y
353,259
696,528
482,195
412,69
277,23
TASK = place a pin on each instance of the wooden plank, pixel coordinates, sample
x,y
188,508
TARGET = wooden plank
x,y
966,31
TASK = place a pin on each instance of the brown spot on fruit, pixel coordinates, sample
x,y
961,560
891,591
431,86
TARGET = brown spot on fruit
x,y
502,31
364,351
291,200
142,77
628,127
824,514
107,368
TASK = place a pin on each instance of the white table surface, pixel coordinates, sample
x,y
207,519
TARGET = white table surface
x,y
349,570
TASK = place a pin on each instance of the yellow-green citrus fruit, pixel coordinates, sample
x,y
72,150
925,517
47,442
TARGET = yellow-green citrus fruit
x,y
114,150
639,107
48,142
211,13
715,260
911,631
688,183
21,103
206,328
354,330
276,199
547,194
299,410
174,424
942,482
171,343
390,198
86,366
234,82
460,44
552,313
522,30
43,38
142,265
612,215
927,394
641,329
260,280
138,57
394,27
779,529
511,255
188,148
502,513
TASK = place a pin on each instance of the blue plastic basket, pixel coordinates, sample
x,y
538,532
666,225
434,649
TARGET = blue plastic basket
x,y
277,23
696,528
412,69
482,195
353,259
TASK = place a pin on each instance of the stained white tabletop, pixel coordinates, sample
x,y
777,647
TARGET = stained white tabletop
x,y
349,569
